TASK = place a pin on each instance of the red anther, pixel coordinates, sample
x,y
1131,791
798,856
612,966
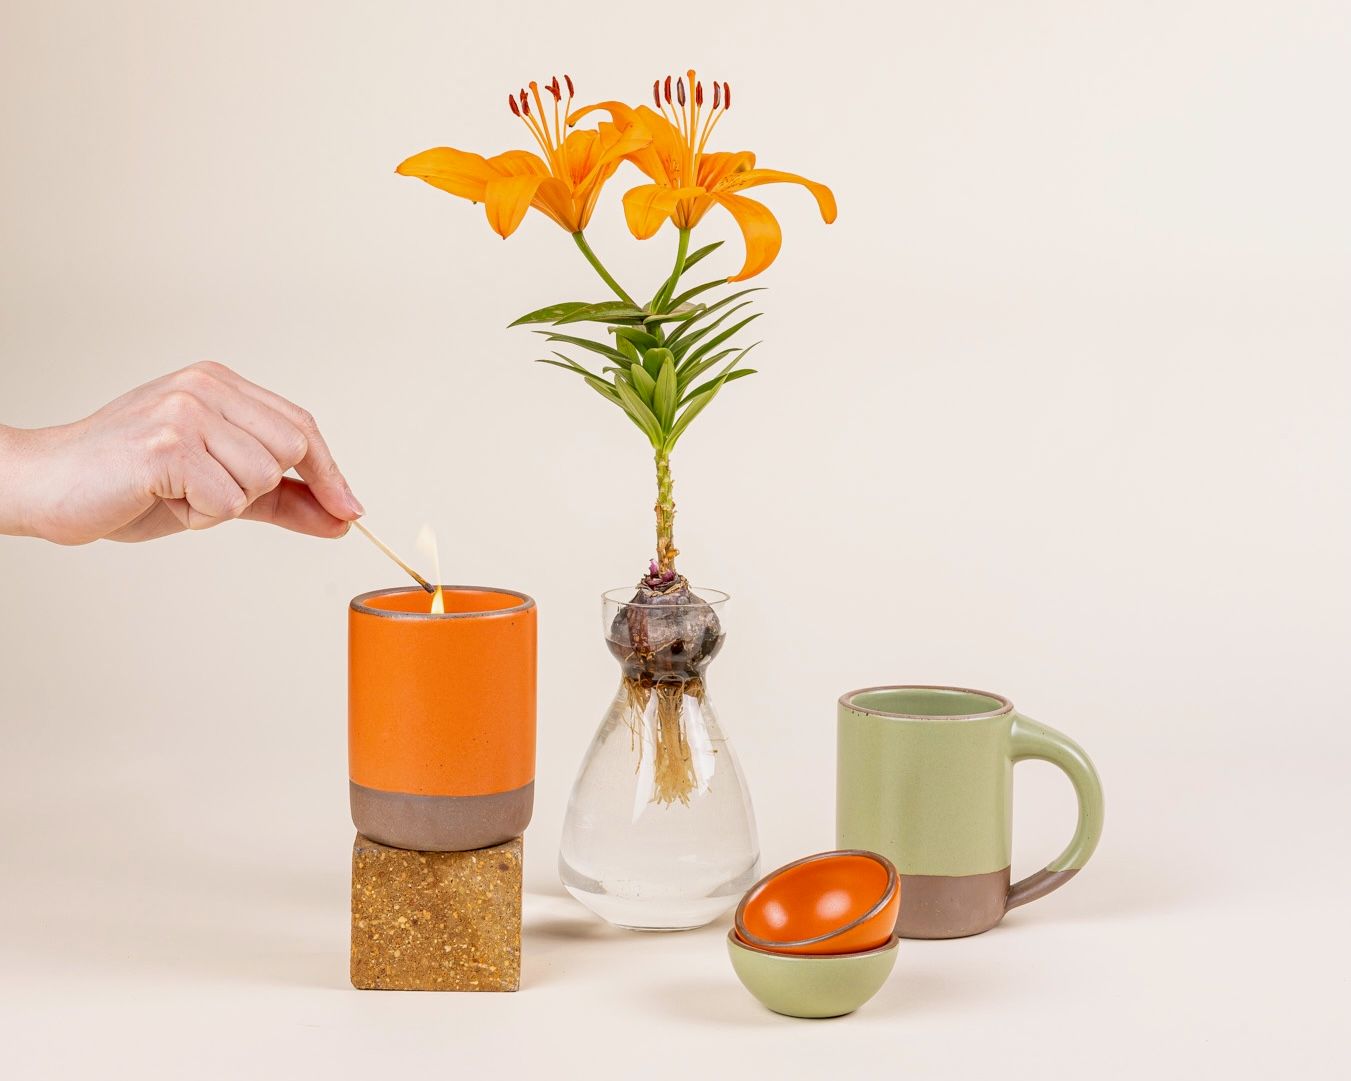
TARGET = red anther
x,y
656,92
726,95
680,91
568,79
667,89
554,90
698,93
717,94
515,109
525,104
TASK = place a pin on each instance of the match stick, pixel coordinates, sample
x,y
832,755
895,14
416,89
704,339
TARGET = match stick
x,y
390,552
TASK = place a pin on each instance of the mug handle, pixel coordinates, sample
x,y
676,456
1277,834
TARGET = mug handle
x,y
1033,740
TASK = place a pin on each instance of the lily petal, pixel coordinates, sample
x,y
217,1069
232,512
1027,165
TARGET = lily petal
x,y
660,149
507,198
615,144
759,228
456,171
750,178
648,205
518,163
555,199
714,167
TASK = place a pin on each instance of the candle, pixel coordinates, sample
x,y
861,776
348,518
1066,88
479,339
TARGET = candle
x,y
441,716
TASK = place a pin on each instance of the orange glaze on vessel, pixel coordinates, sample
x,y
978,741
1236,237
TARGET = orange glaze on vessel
x,y
442,705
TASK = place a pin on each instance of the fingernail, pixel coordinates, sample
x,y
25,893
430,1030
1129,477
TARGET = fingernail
x,y
353,501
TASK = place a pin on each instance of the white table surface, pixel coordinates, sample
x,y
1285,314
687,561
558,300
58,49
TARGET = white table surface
x,y
1203,944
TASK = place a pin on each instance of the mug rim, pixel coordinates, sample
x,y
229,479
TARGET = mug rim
x,y
766,945
358,603
1005,706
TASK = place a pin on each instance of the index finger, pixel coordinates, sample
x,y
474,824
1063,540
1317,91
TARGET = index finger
x,y
317,468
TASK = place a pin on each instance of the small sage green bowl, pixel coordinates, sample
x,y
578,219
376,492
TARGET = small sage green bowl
x,y
812,985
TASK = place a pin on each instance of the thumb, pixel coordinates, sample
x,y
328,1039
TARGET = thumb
x,y
292,506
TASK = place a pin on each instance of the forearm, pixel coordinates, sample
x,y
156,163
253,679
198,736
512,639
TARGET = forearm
x,y
16,481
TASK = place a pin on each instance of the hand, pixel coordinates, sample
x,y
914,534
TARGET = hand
x,y
187,451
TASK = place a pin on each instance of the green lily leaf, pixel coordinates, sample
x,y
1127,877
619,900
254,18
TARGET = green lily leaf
x,y
696,402
690,260
550,314
664,397
605,391
639,337
688,373
690,311
653,359
638,410
643,383
685,328
568,364
584,343
695,407
699,367
737,373
683,347
690,294
718,339
602,313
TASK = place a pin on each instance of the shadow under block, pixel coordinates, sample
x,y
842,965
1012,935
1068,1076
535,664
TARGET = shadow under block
x,y
436,921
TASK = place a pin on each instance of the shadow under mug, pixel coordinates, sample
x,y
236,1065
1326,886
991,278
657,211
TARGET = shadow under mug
x,y
441,717
925,777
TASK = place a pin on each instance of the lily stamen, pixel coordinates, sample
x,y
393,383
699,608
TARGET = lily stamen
x,y
714,116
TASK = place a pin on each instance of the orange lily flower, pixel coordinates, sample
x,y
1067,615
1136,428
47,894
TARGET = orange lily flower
x,y
564,184
687,180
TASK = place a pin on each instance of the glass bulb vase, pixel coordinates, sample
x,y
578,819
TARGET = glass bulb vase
x,y
660,834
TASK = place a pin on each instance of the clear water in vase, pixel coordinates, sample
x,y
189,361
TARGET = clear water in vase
x,y
659,833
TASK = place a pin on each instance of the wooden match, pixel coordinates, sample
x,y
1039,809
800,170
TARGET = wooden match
x,y
390,552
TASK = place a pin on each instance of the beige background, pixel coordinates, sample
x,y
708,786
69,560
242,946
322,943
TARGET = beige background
x,y
1059,408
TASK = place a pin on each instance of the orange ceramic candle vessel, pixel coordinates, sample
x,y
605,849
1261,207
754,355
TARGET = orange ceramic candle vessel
x,y
441,717
830,903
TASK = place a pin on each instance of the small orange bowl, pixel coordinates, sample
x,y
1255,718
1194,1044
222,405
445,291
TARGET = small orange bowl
x,y
830,903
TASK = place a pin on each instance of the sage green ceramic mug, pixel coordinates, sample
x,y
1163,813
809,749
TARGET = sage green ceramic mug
x,y
925,777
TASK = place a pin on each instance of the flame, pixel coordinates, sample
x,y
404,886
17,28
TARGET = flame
x,y
426,542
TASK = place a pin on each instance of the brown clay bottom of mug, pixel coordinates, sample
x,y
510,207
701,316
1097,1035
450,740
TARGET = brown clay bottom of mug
x,y
955,906
441,823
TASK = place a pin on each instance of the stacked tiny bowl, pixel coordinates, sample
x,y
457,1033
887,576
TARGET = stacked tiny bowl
x,y
817,937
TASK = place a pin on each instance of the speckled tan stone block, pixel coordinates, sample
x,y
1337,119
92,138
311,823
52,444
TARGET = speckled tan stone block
x,y
436,921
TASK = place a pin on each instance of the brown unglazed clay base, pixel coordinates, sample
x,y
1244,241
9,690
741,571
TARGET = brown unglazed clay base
x,y
436,921
954,906
440,823
951,906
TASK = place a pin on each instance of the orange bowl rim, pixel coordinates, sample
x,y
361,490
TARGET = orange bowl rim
x,y
766,945
358,603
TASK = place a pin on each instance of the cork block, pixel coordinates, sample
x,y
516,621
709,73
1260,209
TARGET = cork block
x,y
436,921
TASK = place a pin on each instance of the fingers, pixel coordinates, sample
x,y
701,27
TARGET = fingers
x,y
199,491
249,463
316,465
282,439
292,505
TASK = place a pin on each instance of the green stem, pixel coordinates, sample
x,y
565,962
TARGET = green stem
x,y
682,249
600,269
665,508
